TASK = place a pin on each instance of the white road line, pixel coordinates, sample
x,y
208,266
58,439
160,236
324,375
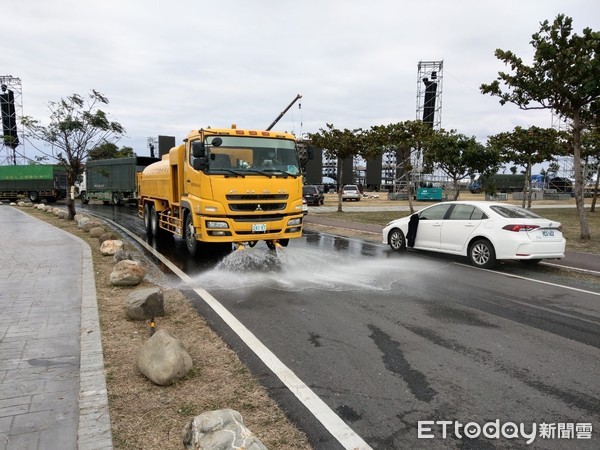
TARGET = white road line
x,y
510,275
330,420
576,269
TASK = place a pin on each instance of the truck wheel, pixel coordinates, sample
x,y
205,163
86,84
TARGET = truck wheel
x,y
190,235
84,198
116,199
147,214
34,196
154,223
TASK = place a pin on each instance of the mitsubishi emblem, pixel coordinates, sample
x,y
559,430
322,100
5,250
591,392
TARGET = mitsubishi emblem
x,y
258,208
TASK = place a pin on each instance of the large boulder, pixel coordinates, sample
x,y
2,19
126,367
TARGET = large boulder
x,y
127,273
110,247
145,304
81,219
88,225
163,359
61,214
122,254
107,236
97,232
219,430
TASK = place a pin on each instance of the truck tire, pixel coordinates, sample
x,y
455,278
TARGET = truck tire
x,y
116,199
147,214
84,198
191,243
154,223
34,196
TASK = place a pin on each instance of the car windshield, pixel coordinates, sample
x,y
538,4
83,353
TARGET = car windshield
x,y
252,155
514,212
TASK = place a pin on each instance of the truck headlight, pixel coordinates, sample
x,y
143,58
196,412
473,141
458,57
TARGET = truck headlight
x,y
216,224
296,221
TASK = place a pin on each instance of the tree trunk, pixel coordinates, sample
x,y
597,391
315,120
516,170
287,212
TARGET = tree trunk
x,y
593,207
528,184
585,229
340,185
407,168
70,201
456,188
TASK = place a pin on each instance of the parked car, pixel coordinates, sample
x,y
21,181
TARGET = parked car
x,y
485,232
313,195
351,192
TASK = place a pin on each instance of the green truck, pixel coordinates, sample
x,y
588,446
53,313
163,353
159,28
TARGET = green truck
x,y
502,182
112,180
34,181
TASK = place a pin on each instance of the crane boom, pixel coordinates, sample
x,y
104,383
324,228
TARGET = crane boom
x,y
298,97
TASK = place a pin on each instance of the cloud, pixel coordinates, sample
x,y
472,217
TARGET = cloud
x,y
170,66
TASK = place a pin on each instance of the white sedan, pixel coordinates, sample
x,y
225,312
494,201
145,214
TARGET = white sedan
x,y
483,231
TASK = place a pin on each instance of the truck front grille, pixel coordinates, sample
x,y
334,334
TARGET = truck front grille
x,y
257,206
258,218
257,197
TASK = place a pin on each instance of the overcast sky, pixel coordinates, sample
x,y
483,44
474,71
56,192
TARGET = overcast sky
x,y
171,66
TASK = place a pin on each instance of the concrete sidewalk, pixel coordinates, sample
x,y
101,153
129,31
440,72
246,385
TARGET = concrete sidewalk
x,y
52,386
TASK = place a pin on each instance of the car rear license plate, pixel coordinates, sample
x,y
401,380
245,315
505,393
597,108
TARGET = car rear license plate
x,y
259,227
547,233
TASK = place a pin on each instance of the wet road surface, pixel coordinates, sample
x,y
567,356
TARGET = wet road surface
x,y
388,340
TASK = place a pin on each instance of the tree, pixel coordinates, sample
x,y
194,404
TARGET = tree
x,y
527,147
458,156
109,150
338,144
563,78
77,126
404,138
590,148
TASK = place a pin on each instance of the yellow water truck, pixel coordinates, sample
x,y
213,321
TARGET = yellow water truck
x,y
225,186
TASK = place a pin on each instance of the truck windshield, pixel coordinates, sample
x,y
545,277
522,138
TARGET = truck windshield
x,y
252,155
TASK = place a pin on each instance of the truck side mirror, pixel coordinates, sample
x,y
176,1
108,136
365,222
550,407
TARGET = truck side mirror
x,y
200,163
198,149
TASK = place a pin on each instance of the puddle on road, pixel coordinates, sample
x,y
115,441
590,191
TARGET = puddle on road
x,y
301,269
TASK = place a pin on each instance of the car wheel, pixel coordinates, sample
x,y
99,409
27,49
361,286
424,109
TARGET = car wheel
x,y
396,240
191,243
482,254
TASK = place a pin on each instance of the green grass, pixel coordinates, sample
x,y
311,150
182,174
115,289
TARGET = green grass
x,y
567,216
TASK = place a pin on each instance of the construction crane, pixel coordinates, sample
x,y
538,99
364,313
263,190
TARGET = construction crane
x,y
298,97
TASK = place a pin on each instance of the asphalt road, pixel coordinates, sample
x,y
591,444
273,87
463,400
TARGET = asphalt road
x,y
388,340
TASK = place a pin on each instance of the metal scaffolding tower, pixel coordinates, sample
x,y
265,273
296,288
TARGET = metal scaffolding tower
x,y
430,77
565,163
11,101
